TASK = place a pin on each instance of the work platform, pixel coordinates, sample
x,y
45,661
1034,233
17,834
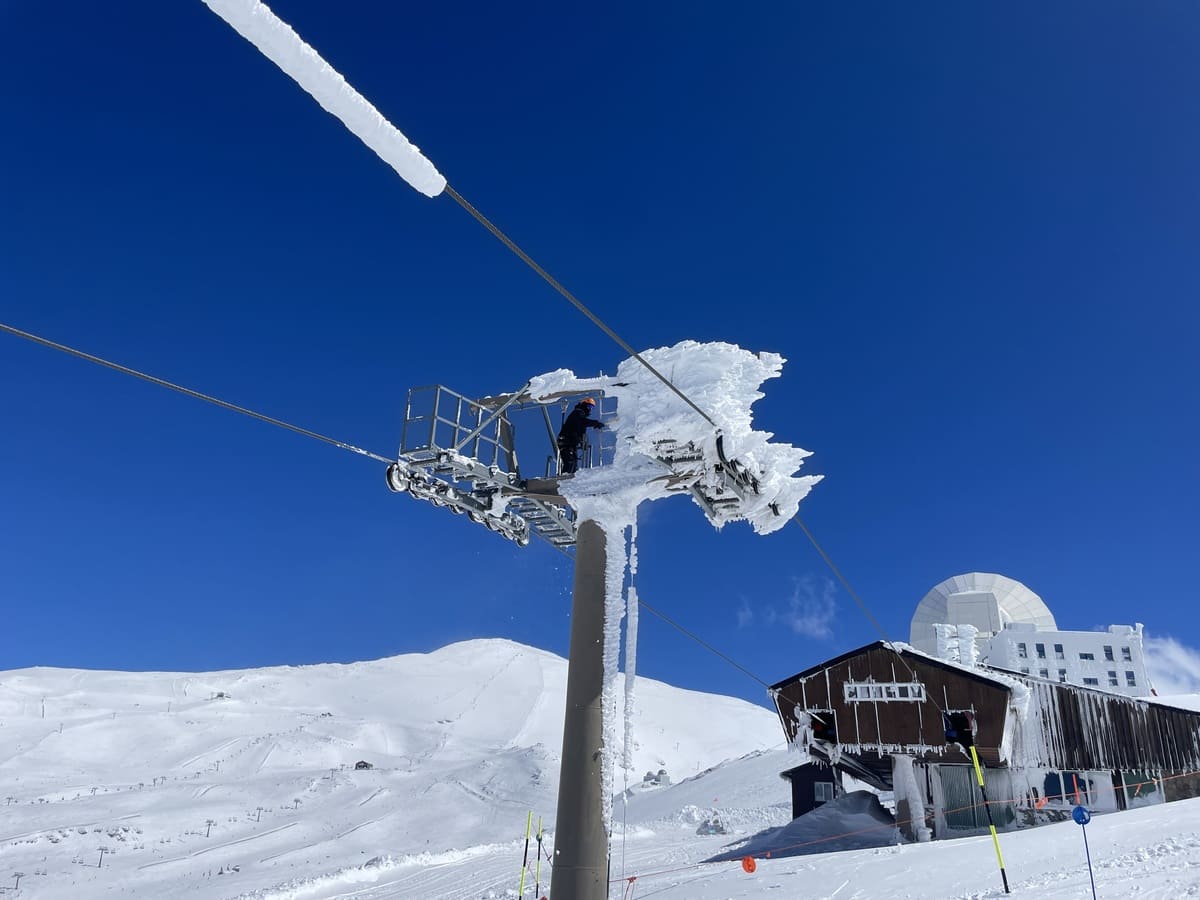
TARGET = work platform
x,y
462,455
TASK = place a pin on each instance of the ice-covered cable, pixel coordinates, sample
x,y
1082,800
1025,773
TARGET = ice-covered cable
x,y
279,43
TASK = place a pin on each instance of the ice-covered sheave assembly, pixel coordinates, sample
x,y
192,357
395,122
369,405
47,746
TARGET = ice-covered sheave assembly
x,y
654,424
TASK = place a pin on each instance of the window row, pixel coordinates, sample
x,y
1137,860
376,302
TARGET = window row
x,y
1113,680
1059,653
908,691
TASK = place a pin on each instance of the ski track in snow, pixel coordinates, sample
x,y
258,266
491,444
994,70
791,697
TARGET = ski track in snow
x,y
192,760
244,840
375,794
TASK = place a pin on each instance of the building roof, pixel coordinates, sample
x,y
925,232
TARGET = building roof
x,y
980,673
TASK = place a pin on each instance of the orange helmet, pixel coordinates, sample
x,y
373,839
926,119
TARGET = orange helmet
x,y
588,400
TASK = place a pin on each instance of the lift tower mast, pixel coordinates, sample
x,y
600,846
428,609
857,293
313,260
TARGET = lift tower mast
x,y
461,454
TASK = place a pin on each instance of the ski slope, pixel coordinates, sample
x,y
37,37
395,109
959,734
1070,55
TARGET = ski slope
x,y
242,785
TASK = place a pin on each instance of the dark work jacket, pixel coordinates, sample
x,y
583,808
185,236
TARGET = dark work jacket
x,y
571,433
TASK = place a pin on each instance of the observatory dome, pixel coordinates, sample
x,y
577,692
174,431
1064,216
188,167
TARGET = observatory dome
x,y
985,600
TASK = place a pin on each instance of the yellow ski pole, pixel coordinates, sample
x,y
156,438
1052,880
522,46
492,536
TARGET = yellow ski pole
x,y
991,824
960,729
537,869
525,861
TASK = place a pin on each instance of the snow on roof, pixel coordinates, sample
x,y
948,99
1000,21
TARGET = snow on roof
x,y
1178,701
982,672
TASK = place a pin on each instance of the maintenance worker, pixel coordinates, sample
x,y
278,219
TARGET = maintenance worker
x,y
570,436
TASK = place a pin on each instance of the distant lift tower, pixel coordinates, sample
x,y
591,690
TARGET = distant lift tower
x,y
461,454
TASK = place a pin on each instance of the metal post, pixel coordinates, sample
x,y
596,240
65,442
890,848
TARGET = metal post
x,y
580,842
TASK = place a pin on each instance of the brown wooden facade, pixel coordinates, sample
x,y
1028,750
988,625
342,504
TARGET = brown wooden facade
x,y
1073,728
1080,728
895,725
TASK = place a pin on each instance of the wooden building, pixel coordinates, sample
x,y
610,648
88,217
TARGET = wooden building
x,y
876,714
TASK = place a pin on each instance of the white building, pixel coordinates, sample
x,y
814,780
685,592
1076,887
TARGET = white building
x,y
1014,630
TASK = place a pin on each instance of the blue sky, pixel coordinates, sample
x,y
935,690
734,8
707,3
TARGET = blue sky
x,y
970,229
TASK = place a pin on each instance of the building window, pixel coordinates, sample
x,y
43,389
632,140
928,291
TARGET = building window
x,y
1092,681
1022,651
823,792
1126,656
1130,680
1062,676
889,692
1108,654
1087,655
1112,679
1044,673
1058,651
1024,670
1041,650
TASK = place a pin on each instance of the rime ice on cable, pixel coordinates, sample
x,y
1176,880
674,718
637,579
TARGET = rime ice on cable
x,y
276,40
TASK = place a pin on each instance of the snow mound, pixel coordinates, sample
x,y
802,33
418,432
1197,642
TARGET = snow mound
x,y
855,821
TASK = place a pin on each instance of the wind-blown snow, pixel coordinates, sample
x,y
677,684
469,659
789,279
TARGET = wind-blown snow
x,y
279,43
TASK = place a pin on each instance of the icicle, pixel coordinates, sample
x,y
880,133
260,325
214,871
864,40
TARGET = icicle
x,y
614,611
631,630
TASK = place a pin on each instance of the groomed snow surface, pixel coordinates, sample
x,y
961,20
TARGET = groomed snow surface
x,y
242,785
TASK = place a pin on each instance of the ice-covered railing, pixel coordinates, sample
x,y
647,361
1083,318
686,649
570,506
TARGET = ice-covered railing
x,y
462,454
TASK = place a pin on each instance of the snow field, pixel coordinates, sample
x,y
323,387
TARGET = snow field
x,y
255,794
248,782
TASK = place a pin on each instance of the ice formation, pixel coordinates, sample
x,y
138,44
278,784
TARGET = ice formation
x,y
631,630
279,43
723,380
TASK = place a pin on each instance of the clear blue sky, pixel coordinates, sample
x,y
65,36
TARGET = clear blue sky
x,y
971,230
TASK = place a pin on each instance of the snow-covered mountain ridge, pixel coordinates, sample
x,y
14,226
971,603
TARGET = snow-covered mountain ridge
x,y
463,742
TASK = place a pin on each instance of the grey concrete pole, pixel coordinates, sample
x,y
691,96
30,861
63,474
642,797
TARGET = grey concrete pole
x,y
580,843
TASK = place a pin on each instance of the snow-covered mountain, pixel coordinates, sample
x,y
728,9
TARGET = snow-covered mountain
x,y
243,785
182,776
